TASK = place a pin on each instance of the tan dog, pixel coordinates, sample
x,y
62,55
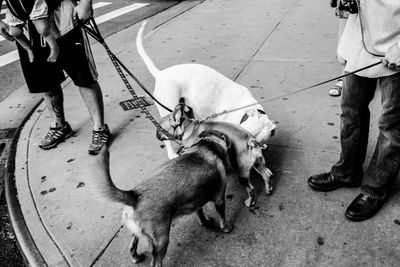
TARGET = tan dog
x,y
207,91
180,186
246,152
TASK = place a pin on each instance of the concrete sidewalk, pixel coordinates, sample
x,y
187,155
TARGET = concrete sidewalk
x,y
271,47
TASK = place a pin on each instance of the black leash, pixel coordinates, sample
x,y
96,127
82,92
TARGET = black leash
x,y
214,115
93,30
95,33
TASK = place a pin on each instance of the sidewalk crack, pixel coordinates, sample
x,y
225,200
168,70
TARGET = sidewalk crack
x,y
265,40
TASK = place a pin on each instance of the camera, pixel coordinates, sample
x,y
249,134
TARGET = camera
x,y
346,5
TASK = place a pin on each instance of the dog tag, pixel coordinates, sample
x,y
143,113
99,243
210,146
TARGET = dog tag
x,y
132,104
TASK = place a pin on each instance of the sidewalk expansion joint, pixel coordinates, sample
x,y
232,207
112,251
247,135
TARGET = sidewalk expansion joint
x,y
106,246
264,41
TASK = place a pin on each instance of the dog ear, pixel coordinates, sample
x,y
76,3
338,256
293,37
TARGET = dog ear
x,y
208,133
217,134
226,139
188,112
177,113
244,118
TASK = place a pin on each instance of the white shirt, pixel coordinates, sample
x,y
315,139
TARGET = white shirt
x,y
63,19
381,29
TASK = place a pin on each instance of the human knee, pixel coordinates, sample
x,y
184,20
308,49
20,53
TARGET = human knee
x,y
42,27
390,129
16,31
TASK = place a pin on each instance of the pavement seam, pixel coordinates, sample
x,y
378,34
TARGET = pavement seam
x,y
106,246
174,17
264,41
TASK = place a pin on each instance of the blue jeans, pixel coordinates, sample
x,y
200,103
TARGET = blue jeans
x,y
358,92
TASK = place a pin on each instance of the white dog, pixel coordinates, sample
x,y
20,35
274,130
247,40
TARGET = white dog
x,y
207,92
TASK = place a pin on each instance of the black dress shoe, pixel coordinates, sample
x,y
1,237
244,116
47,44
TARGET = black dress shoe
x,y
363,207
327,182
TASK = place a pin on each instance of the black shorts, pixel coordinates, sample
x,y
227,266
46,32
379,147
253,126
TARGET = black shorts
x,y
75,59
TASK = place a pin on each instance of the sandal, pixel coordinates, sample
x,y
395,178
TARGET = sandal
x,y
336,90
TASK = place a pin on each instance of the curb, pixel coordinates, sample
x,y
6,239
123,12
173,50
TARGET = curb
x,y
26,244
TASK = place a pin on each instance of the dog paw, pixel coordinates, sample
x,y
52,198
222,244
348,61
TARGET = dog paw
x,y
138,258
250,202
207,223
227,228
269,189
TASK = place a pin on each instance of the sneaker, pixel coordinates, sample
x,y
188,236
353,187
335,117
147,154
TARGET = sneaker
x,y
99,138
55,136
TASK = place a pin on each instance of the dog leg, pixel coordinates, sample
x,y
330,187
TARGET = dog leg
x,y
266,175
225,226
158,238
203,220
136,258
160,246
251,200
170,150
219,203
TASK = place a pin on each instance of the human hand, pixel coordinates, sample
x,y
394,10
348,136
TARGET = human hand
x,y
4,31
392,57
83,11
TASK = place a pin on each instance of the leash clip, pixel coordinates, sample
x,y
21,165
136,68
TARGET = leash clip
x,y
215,115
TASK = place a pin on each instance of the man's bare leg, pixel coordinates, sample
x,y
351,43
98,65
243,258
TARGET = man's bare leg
x,y
59,128
55,105
93,98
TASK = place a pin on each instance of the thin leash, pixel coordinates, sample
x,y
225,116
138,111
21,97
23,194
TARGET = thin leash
x,y
93,30
215,115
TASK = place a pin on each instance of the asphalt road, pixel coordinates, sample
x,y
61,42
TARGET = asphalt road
x,y
112,16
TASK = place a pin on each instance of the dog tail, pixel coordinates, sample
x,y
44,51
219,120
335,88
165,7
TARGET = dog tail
x,y
147,60
103,184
